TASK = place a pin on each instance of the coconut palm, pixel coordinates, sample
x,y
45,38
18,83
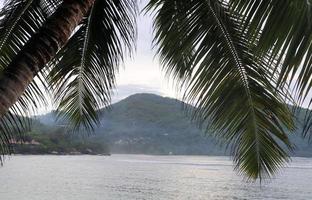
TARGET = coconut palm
x,y
241,62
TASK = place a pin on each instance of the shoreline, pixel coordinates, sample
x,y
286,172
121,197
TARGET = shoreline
x,y
131,154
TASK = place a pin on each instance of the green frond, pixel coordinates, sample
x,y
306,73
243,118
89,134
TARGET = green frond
x,y
283,28
230,85
82,83
12,127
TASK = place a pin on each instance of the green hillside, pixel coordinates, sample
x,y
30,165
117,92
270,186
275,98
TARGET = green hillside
x,y
147,123
151,124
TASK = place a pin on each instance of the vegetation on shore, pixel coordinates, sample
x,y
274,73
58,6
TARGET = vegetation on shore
x,y
56,141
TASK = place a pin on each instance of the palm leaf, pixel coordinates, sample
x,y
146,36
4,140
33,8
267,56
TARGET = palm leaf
x,y
232,88
285,29
83,83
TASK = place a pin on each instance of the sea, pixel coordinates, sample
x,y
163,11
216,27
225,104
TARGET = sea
x,y
144,177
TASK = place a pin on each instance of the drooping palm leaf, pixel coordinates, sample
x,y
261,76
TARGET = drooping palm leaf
x,y
12,128
232,88
285,29
83,72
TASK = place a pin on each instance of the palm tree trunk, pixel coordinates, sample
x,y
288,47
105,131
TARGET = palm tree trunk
x,y
39,50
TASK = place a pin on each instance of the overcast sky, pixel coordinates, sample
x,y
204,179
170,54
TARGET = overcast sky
x,y
142,73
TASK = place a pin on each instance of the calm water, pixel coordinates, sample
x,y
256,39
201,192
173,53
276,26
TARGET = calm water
x,y
143,177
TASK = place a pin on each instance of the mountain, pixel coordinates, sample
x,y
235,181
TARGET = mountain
x,y
151,124
147,123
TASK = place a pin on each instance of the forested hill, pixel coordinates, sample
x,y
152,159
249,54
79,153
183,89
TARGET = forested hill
x,y
151,124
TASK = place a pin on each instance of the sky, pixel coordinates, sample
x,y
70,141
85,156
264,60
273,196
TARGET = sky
x,y
142,72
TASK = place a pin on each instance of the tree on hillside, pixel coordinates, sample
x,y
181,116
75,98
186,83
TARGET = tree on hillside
x,y
240,62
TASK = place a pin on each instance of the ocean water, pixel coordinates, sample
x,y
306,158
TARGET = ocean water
x,y
126,177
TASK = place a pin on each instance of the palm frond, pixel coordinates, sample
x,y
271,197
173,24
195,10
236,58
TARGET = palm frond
x,y
12,128
285,29
230,85
83,83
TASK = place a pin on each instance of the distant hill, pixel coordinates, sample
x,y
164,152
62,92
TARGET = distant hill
x,y
151,124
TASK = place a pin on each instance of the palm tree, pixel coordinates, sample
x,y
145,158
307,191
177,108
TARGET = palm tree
x,y
241,62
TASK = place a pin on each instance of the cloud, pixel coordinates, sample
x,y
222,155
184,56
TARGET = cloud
x,y
123,91
142,72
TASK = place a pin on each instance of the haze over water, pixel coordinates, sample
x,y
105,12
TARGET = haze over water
x,y
144,177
